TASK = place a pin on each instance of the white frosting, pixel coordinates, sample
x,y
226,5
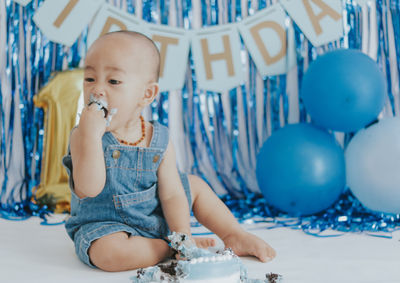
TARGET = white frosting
x,y
233,278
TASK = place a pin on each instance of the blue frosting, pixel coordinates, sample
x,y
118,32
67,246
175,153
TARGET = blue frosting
x,y
211,269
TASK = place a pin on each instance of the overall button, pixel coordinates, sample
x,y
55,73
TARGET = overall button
x,y
116,154
155,158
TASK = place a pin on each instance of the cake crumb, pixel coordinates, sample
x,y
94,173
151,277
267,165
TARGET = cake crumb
x,y
169,268
140,272
273,277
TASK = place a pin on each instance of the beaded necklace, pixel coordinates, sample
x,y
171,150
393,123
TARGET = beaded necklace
x,y
141,138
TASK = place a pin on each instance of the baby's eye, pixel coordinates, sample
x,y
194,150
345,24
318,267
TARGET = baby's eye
x,y
89,80
114,82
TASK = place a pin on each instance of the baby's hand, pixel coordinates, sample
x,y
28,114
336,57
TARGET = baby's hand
x,y
195,242
92,121
188,247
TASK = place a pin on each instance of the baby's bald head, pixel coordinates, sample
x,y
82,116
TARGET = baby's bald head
x,y
135,42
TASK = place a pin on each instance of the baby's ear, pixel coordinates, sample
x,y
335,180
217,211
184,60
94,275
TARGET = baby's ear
x,y
150,93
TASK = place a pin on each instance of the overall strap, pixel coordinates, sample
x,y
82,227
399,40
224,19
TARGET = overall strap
x,y
160,136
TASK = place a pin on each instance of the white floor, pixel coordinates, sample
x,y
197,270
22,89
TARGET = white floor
x,y
30,252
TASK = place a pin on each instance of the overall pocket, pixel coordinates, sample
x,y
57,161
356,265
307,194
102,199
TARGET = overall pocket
x,y
140,209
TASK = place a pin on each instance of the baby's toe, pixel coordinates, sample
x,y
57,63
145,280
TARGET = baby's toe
x,y
269,254
203,244
260,254
264,253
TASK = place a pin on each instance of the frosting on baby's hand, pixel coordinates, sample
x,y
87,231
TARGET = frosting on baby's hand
x,y
103,105
185,246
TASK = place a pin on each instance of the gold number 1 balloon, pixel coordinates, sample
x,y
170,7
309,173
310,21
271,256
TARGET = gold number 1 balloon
x,y
59,100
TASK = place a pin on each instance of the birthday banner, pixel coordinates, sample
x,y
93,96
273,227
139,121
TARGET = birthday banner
x,y
268,36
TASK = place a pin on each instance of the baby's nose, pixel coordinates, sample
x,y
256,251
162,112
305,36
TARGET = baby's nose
x,y
98,94
98,90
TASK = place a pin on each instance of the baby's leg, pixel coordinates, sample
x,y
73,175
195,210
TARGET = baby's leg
x,y
212,213
119,252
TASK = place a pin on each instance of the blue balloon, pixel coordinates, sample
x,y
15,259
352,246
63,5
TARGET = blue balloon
x,y
301,169
343,90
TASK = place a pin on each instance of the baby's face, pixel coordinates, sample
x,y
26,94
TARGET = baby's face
x,y
115,72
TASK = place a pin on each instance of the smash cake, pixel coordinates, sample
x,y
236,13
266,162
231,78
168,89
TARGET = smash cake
x,y
199,266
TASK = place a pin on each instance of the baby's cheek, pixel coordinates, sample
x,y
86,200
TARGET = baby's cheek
x,y
86,98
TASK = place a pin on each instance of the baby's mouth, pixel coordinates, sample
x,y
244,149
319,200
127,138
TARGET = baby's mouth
x,y
103,105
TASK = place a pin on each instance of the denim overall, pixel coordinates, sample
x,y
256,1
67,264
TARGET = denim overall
x,y
129,200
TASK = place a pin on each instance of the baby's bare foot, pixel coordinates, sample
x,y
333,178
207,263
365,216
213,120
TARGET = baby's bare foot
x,y
204,243
243,244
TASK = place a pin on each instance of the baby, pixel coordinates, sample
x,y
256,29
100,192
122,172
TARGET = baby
x,y
127,194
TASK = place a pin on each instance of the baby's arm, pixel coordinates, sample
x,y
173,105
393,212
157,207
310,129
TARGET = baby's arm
x,y
172,196
87,155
